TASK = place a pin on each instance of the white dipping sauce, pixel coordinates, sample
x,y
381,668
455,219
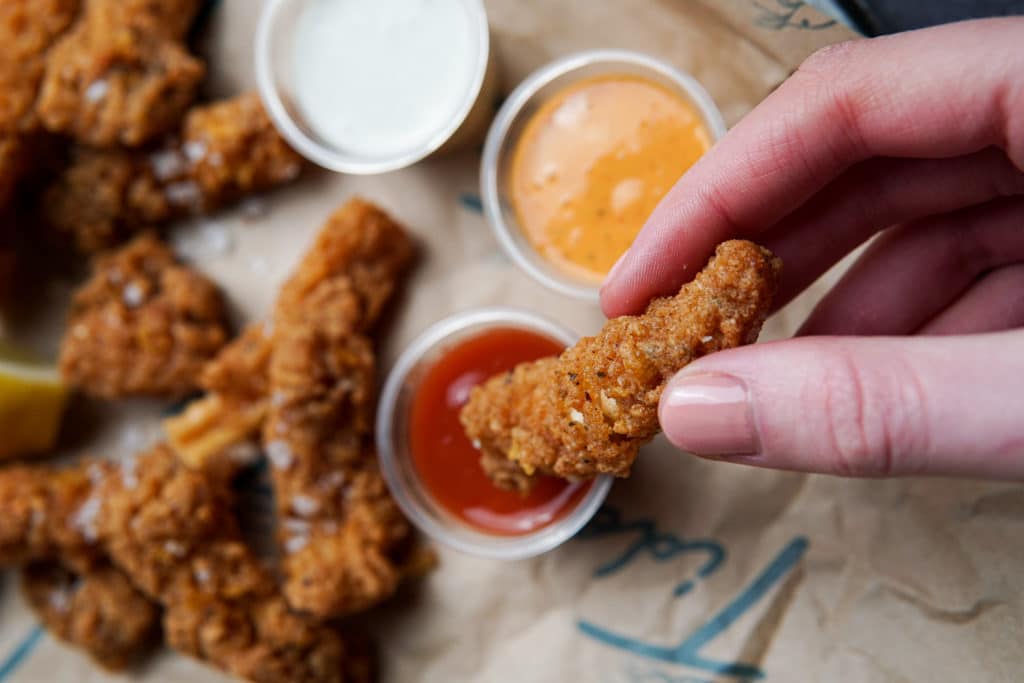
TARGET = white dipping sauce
x,y
382,78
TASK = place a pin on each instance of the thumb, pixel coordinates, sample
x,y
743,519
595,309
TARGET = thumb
x,y
874,406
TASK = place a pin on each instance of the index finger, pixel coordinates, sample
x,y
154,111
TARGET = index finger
x,y
934,93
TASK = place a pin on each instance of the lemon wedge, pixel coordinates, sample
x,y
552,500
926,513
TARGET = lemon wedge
x,y
32,399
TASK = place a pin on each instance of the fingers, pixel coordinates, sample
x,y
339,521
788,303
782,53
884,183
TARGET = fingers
x,y
857,407
954,93
874,195
914,271
994,303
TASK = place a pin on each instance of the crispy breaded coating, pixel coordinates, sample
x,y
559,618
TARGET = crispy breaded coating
x,y
355,261
219,433
166,18
142,325
103,197
48,513
588,412
226,150
343,539
347,276
99,612
28,29
344,542
231,149
171,531
116,79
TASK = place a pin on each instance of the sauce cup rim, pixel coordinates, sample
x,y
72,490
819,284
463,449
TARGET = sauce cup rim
x,y
326,156
456,535
512,110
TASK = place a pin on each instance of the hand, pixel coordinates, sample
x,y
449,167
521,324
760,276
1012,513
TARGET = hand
x,y
920,136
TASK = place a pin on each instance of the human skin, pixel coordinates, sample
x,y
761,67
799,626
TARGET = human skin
x,y
912,363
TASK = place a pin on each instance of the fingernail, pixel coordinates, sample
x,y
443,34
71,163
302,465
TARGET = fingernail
x,y
709,415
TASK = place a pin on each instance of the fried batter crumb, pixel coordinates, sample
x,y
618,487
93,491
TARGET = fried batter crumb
x,y
99,612
588,412
143,325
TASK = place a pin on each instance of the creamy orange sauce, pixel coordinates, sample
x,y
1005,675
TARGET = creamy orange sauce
x,y
594,161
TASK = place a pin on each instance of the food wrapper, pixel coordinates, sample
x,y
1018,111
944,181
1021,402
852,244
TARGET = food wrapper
x,y
693,571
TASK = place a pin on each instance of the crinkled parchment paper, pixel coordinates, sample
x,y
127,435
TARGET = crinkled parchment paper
x,y
694,571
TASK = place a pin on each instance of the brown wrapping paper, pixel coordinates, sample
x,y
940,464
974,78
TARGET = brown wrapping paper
x,y
694,571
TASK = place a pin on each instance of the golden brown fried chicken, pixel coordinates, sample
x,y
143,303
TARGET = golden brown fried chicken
x,y
171,531
47,513
166,18
219,433
588,412
229,149
103,197
115,78
143,325
28,29
99,612
344,542
347,276
343,539
353,265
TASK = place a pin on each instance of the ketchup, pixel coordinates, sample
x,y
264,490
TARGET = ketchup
x,y
446,461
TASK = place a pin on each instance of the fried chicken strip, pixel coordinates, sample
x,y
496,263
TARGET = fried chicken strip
x,y
588,412
226,150
144,324
345,544
121,75
171,531
99,612
349,274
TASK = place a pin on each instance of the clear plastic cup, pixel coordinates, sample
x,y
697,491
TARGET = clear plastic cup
x,y
275,37
396,456
515,114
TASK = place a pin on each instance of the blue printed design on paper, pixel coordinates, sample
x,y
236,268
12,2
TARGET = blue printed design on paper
x,y
663,546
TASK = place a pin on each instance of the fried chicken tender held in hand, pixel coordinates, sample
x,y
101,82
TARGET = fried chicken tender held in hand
x,y
99,612
116,79
588,412
143,325
28,29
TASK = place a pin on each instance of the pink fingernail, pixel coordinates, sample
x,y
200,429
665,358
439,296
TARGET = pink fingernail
x,y
709,415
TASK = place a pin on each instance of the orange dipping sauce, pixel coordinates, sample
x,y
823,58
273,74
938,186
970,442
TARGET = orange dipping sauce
x,y
594,161
446,461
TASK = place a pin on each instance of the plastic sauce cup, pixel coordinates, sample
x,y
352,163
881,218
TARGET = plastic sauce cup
x,y
512,119
393,442
306,113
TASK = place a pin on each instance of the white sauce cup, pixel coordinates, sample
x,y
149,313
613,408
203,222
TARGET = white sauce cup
x,y
275,57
